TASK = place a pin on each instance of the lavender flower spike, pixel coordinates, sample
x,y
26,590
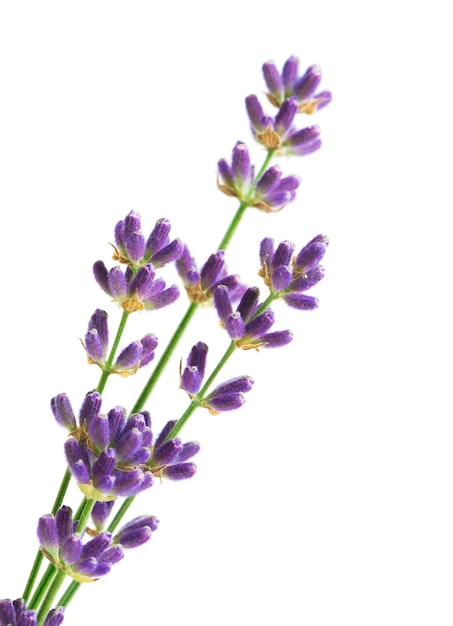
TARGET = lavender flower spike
x,y
107,454
244,326
15,613
84,562
200,285
170,457
132,249
289,83
135,292
288,277
279,133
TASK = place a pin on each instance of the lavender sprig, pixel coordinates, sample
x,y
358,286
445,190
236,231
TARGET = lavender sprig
x,y
115,456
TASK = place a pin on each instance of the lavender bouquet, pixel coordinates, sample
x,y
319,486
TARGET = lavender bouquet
x,y
113,454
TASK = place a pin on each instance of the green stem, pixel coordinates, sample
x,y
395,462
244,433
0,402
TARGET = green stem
x,y
164,358
43,584
107,368
84,516
120,514
69,593
50,596
233,226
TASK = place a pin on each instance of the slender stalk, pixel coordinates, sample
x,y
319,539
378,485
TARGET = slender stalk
x,y
147,389
50,596
233,226
43,584
106,371
69,593
120,514
85,514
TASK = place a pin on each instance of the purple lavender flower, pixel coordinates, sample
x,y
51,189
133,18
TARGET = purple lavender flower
x,y
193,374
15,613
226,397
288,83
246,326
63,413
107,454
136,532
132,249
291,276
229,395
97,338
272,192
135,291
135,355
238,177
200,285
64,547
100,513
279,133
170,457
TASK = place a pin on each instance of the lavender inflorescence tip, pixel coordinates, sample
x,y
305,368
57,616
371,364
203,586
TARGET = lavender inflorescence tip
x,y
291,276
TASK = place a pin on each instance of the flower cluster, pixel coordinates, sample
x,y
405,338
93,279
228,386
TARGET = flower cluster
x,y
200,285
288,84
247,326
15,613
132,249
137,287
134,356
271,193
113,455
170,457
88,561
226,397
288,277
278,133
135,291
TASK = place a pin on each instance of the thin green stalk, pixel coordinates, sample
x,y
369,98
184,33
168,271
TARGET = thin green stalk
x,y
50,596
69,593
84,516
106,371
147,389
120,514
43,584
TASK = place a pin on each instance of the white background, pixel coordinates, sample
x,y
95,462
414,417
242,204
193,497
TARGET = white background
x,y
327,499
